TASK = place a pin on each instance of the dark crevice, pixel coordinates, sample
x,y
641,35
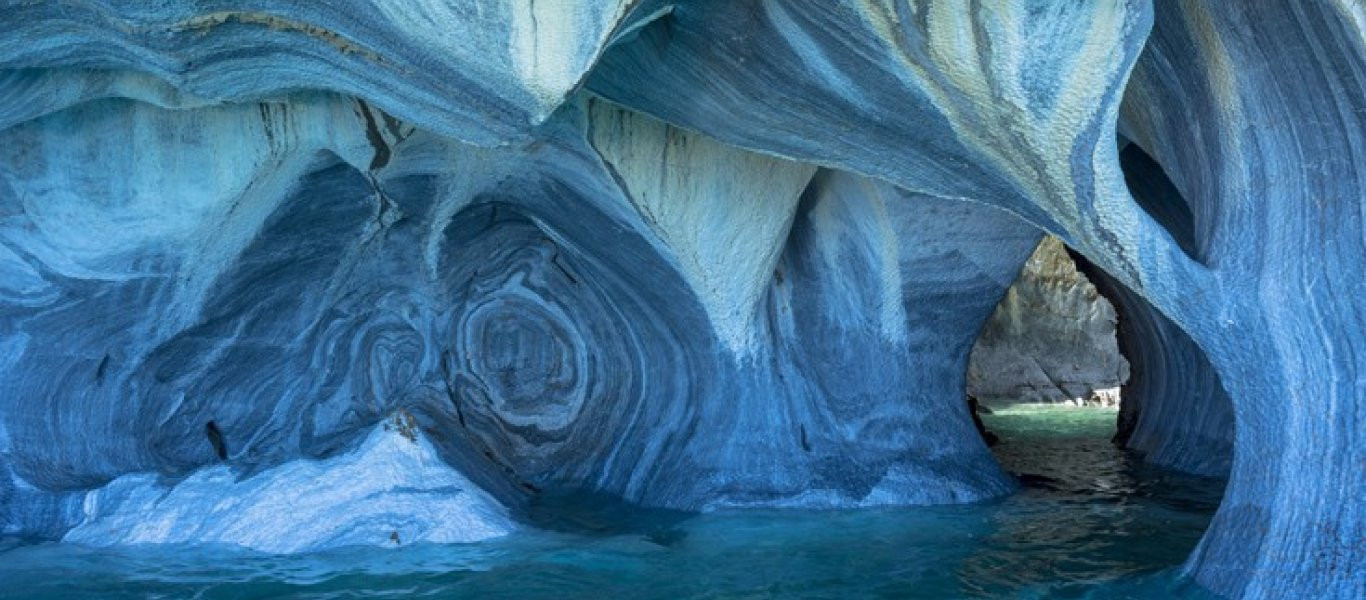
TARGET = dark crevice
x,y
1158,196
376,139
220,448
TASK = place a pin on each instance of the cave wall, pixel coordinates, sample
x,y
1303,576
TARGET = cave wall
x,y
294,221
1272,175
1050,340
244,289
1174,410
1007,106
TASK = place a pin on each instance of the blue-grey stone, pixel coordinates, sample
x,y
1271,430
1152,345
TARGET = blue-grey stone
x,y
689,253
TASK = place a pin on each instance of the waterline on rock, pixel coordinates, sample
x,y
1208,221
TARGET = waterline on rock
x,y
1090,521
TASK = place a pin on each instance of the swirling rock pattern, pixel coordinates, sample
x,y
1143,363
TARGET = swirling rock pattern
x,y
511,66
1175,410
691,254
298,304
1263,293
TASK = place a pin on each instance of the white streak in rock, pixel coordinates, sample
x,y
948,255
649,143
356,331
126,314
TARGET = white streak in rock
x,y
723,212
393,484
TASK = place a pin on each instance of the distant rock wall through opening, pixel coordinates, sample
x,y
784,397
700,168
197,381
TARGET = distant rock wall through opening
x,y
1051,339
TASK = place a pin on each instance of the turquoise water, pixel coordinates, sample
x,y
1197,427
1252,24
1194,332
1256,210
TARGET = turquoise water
x,y
1090,522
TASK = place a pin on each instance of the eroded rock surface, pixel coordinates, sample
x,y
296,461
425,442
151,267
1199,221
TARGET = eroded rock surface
x,y
259,271
689,254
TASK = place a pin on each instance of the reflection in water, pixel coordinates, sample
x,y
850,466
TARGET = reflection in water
x,y
1087,508
1089,522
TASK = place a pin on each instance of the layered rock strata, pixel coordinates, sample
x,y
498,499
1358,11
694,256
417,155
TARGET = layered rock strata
x,y
752,275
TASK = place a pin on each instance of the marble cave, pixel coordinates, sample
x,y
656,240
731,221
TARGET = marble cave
x,y
282,279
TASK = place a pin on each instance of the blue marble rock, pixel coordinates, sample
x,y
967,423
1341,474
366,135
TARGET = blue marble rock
x,y
690,254
264,275
394,487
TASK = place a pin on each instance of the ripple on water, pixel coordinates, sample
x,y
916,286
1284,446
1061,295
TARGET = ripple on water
x,y
1090,522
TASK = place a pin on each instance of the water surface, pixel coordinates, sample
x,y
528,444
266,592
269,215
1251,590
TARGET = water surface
x,y
1089,522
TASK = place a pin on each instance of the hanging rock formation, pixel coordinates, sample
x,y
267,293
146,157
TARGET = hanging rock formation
x,y
689,253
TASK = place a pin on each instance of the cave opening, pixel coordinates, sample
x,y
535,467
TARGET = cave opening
x,y
1068,335
1045,377
1051,339
1070,367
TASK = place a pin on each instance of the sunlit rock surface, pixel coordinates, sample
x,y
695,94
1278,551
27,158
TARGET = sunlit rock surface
x,y
752,275
1051,340
394,487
